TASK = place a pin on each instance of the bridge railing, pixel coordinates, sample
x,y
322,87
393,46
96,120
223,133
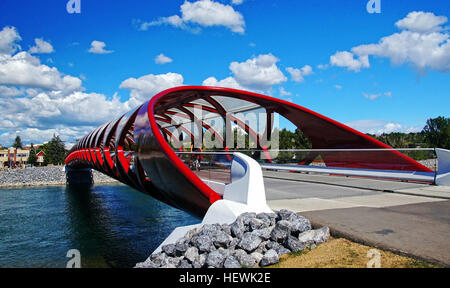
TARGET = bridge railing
x,y
422,164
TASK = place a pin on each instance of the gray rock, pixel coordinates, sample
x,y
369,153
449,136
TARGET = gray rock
x,y
226,228
215,259
284,214
246,260
146,264
262,247
281,231
203,243
249,242
283,250
233,243
316,236
189,234
180,248
256,224
225,252
237,228
169,249
221,239
191,254
257,256
294,244
202,259
231,262
159,259
273,245
184,264
269,218
269,258
169,265
263,233
208,229
246,217
280,249
299,224
173,260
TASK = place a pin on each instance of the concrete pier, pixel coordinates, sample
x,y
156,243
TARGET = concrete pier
x,y
79,176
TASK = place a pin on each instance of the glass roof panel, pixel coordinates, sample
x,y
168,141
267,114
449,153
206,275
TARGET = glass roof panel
x,y
231,104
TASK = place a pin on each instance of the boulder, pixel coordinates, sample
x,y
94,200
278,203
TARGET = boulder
x,y
316,236
159,259
256,224
281,231
269,218
191,254
263,233
257,256
221,239
269,258
231,262
294,244
284,214
299,224
184,264
246,217
215,259
249,242
203,243
169,249
237,228
180,248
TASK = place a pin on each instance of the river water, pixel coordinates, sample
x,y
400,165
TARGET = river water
x,y
111,225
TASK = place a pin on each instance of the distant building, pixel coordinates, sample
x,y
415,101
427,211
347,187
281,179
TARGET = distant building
x,y
40,158
13,157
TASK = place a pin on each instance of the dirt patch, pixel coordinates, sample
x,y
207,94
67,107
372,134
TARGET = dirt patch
x,y
342,253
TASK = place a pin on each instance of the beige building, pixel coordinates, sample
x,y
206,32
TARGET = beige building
x,y
13,157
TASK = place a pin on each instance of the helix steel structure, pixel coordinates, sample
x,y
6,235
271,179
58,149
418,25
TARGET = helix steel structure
x,y
141,147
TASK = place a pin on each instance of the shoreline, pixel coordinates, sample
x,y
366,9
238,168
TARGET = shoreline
x,y
44,176
43,184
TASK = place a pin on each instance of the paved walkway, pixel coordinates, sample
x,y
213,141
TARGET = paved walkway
x,y
413,219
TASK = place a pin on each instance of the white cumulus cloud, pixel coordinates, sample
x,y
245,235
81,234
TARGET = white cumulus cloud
x,y
8,38
259,73
228,82
205,13
145,87
421,22
162,59
298,75
98,47
422,43
41,46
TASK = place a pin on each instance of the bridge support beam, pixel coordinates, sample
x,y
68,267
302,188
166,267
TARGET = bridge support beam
x,y
79,176
245,193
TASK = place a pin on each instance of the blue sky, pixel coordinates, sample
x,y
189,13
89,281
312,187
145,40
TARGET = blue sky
x,y
377,72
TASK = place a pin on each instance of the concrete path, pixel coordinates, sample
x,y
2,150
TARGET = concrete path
x,y
413,219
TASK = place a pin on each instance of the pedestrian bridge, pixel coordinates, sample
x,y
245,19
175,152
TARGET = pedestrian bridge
x,y
193,146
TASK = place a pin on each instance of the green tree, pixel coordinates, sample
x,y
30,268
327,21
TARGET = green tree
x,y
55,152
32,158
437,132
17,143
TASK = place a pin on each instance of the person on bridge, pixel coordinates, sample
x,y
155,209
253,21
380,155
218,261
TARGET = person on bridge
x,y
195,157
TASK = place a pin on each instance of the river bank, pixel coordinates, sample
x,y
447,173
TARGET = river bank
x,y
43,176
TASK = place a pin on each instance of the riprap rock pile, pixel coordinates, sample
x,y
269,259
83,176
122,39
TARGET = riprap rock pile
x,y
253,240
